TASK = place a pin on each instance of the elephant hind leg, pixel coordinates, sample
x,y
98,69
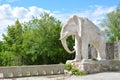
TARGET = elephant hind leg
x,y
101,53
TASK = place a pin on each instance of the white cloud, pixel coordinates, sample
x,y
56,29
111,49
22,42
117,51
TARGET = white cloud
x,y
8,14
95,13
100,10
2,30
19,12
5,12
35,11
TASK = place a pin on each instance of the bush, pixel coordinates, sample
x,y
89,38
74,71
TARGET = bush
x,y
77,72
74,70
114,70
68,66
94,59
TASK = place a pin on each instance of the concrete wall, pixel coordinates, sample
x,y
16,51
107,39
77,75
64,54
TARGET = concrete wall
x,y
99,66
117,49
112,51
23,71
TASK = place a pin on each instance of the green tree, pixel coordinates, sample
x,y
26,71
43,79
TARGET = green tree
x,y
1,46
33,43
46,47
13,41
6,59
112,25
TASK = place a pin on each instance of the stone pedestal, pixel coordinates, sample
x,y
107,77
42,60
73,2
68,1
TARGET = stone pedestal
x,y
90,66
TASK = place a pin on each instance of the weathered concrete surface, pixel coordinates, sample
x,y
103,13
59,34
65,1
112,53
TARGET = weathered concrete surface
x,y
98,76
50,77
100,66
34,70
90,66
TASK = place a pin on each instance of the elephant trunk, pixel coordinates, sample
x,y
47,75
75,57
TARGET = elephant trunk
x,y
65,46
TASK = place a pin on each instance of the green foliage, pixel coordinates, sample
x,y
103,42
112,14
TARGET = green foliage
x,y
1,46
114,70
77,72
68,66
74,70
116,59
7,59
13,41
112,25
94,59
45,46
34,42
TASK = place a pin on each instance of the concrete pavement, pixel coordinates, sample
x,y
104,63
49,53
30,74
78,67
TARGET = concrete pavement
x,y
97,76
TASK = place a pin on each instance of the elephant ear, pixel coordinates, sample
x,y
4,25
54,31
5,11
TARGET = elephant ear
x,y
79,24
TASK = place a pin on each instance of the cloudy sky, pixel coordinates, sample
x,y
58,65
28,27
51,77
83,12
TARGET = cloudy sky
x,y
95,10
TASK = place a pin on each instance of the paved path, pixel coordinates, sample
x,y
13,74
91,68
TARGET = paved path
x,y
98,76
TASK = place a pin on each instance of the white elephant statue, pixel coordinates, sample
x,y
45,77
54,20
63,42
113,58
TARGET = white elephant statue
x,y
85,33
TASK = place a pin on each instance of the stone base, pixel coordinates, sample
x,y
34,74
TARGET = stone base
x,y
90,66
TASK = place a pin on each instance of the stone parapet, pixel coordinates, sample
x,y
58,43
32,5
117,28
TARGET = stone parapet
x,y
89,66
34,70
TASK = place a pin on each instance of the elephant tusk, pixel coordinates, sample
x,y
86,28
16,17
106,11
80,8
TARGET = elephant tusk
x,y
65,46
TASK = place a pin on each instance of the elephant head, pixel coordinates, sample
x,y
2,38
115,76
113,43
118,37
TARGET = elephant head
x,y
69,29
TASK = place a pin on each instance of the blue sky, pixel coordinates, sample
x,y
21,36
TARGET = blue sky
x,y
61,5
95,10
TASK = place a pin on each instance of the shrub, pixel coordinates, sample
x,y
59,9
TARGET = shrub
x,y
114,70
74,70
94,59
68,66
77,72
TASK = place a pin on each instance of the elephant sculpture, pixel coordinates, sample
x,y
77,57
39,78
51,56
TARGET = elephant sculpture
x,y
85,33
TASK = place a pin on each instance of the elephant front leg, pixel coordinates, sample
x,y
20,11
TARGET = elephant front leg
x,y
84,49
77,48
